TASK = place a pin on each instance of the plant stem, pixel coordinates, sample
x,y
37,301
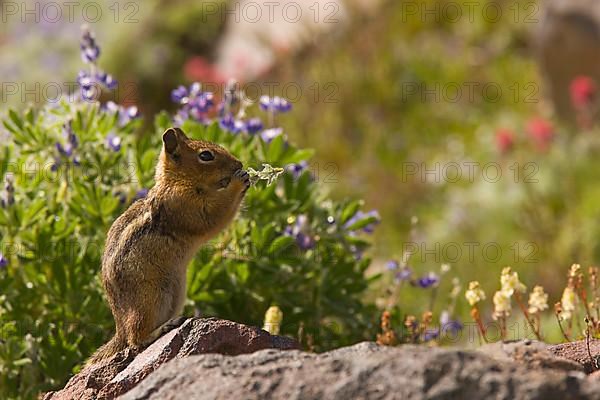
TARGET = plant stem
x,y
526,314
477,318
561,328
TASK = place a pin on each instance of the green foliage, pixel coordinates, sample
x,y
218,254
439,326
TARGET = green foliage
x,y
52,313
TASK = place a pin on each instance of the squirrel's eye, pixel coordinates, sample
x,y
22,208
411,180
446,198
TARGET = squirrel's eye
x,y
206,156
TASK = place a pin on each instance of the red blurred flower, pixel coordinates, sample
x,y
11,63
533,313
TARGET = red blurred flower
x,y
583,90
505,140
541,131
198,69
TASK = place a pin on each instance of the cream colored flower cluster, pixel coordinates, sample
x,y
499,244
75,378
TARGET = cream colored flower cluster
x,y
509,285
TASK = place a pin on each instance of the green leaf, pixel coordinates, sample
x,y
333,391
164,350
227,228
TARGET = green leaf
x,y
162,121
275,149
32,212
361,223
349,211
14,117
298,155
5,161
212,132
280,243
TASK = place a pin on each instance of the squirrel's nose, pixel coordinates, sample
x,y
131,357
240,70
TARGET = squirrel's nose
x,y
238,165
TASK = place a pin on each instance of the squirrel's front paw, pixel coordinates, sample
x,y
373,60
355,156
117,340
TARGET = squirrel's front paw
x,y
243,177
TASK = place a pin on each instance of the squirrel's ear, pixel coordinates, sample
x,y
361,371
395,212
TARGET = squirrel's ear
x,y
180,135
171,139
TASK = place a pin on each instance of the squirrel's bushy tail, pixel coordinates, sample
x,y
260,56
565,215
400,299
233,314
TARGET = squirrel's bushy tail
x,y
113,346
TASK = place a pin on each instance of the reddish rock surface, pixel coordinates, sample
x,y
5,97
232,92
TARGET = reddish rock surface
x,y
217,359
578,352
122,372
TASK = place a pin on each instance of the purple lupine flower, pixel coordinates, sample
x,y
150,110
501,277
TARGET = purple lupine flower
x,y
269,134
392,265
140,194
90,51
297,169
229,123
133,112
90,94
429,280
110,107
195,89
356,252
85,80
353,219
127,114
106,79
113,142
66,150
198,116
371,227
430,334
449,325
179,95
254,125
304,241
8,194
69,134
265,103
298,232
195,103
88,86
54,166
181,116
359,216
90,54
283,105
274,104
3,261
121,196
403,275
203,101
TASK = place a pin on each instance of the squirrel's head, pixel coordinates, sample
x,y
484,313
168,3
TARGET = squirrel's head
x,y
194,166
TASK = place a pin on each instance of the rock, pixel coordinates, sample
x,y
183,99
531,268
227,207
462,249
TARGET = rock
x,y
362,371
126,369
568,45
217,359
530,353
578,352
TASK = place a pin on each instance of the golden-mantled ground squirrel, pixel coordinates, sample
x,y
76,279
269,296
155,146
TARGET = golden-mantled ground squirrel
x,y
198,190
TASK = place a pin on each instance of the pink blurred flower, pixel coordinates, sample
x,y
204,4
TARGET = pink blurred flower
x,y
505,140
583,90
197,69
541,131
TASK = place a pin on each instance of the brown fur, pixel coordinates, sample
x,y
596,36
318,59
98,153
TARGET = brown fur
x,y
150,245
